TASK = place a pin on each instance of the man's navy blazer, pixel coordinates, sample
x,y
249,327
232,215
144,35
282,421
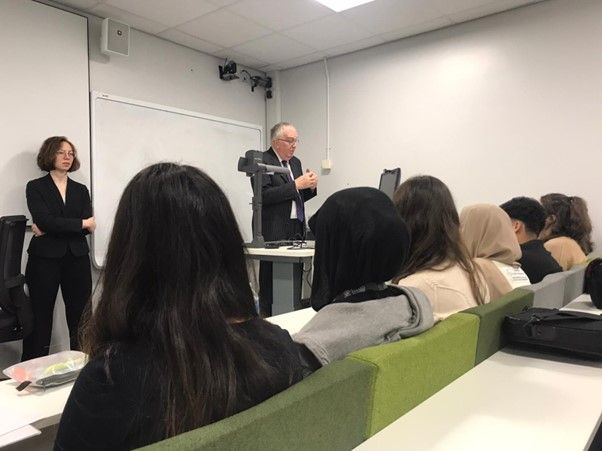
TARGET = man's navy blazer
x,y
278,193
60,222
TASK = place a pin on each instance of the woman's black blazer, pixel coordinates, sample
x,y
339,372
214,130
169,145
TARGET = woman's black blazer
x,y
61,222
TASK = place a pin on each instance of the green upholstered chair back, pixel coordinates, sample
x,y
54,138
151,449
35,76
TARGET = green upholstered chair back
x,y
549,293
327,410
491,317
411,370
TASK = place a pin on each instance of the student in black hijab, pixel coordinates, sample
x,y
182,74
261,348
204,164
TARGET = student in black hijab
x,y
361,243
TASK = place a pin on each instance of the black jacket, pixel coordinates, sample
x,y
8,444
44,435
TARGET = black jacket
x,y
278,193
61,222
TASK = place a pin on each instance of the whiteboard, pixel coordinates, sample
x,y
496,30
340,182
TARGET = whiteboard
x,y
44,91
128,135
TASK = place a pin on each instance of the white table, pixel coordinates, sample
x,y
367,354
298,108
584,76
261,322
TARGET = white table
x,y
293,321
511,401
584,304
40,408
286,284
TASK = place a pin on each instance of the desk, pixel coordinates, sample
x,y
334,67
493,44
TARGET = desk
x,y
41,408
286,287
583,304
293,321
511,401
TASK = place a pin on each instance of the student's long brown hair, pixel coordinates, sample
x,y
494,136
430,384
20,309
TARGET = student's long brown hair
x,y
174,282
427,206
568,216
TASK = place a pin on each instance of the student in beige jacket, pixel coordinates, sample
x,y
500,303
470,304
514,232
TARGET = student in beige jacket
x,y
568,229
439,263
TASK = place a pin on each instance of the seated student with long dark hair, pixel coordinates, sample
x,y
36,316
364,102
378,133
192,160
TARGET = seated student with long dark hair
x,y
175,342
361,243
528,220
438,262
568,230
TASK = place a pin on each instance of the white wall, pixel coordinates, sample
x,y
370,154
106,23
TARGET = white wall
x,y
506,105
161,72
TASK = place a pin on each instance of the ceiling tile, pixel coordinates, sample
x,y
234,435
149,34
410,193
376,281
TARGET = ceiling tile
x,y
79,4
168,13
488,9
224,28
328,32
450,7
274,48
140,23
278,14
417,29
221,3
354,46
182,38
382,16
239,58
311,58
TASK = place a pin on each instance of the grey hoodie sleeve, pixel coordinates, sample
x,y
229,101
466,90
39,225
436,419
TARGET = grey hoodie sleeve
x,y
344,327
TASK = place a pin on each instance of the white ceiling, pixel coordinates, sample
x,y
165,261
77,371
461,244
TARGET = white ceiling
x,y
278,34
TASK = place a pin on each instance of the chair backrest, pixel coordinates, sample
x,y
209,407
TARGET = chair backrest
x,y
491,317
16,318
549,293
327,410
411,370
573,286
12,235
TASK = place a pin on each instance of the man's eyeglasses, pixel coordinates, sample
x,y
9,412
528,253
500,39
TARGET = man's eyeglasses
x,y
62,153
290,142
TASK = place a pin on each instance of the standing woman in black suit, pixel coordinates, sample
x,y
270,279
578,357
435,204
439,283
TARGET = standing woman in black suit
x,y
58,252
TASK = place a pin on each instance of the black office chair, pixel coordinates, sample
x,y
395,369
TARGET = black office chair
x,y
16,317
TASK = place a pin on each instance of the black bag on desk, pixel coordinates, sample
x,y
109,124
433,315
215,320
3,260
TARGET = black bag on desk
x,y
575,332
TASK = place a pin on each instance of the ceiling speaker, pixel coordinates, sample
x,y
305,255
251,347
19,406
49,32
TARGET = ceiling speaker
x,y
115,38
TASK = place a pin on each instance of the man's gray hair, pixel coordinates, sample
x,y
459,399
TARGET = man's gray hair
x,y
277,129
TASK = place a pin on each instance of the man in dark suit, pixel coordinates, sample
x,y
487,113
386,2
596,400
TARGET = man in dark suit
x,y
528,219
284,195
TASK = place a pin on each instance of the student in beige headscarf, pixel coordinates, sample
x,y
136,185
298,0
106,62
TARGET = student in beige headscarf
x,y
488,235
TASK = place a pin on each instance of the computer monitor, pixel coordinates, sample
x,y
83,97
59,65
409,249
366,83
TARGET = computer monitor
x,y
389,181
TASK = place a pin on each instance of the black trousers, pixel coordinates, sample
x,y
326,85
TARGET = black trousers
x,y
44,276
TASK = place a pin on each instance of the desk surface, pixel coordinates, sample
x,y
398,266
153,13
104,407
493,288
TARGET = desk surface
x,y
513,400
279,252
40,407
293,321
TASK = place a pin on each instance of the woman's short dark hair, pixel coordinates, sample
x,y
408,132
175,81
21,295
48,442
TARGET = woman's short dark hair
x,y
568,216
427,206
175,279
48,151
